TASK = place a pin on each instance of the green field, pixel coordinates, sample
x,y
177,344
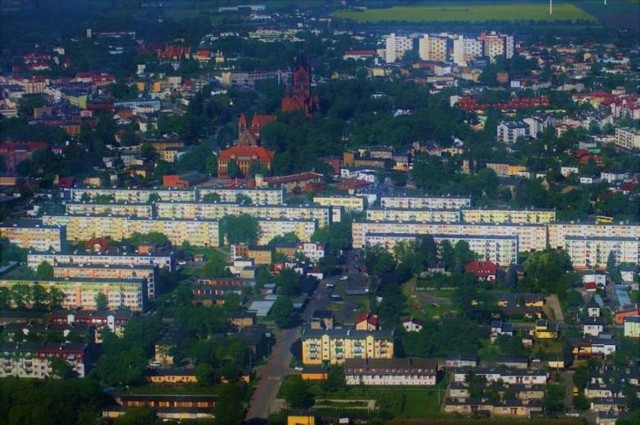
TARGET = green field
x,y
483,13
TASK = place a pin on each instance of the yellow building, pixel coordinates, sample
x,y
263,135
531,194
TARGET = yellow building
x,y
260,255
133,195
425,202
301,420
545,330
34,234
398,214
334,346
269,229
349,203
257,196
118,209
470,215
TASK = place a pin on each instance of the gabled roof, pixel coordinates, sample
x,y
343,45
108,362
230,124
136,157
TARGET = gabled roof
x,y
246,152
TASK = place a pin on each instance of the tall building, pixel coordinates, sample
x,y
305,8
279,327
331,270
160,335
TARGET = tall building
x,y
396,46
434,48
299,98
473,48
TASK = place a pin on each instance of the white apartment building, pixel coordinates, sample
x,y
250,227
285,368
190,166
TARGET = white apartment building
x,y
396,46
593,252
558,232
509,131
501,250
382,372
130,195
270,228
531,237
400,214
508,376
116,209
473,48
257,196
425,202
627,138
33,359
160,260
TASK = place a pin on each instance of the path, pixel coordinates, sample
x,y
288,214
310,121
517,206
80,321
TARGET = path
x,y
554,304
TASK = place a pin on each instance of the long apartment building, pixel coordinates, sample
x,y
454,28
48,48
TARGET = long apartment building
x,y
216,211
81,293
496,215
138,196
34,234
334,346
270,228
257,196
107,271
558,232
349,203
403,214
112,208
531,237
593,252
197,232
34,359
502,250
134,260
425,202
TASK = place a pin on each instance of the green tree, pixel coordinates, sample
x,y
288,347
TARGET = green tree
x,y
44,270
139,416
553,400
289,282
55,298
206,375
229,408
102,302
243,229
448,255
21,295
38,296
61,369
211,197
282,312
298,394
233,170
335,379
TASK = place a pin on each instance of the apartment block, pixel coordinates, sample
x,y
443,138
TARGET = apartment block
x,y
257,196
349,203
558,232
396,46
113,208
471,215
81,228
593,252
270,228
382,372
216,211
135,196
627,138
531,237
434,48
334,346
108,271
134,260
81,293
510,131
34,234
506,375
401,214
632,327
425,202
33,359
501,250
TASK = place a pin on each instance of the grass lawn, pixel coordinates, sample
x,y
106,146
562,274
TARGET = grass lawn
x,y
480,13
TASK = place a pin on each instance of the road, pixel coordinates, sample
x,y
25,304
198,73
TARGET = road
x,y
270,375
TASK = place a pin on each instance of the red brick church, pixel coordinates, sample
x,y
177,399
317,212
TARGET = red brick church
x,y
299,99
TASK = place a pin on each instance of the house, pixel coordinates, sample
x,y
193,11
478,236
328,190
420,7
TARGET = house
x,y
484,270
620,315
241,318
593,326
461,361
545,330
382,372
413,324
367,322
180,407
322,319
632,326
499,328
513,362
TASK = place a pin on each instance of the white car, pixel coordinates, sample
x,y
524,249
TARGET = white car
x,y
343,278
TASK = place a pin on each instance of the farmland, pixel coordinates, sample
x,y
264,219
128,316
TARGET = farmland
x,y
480,13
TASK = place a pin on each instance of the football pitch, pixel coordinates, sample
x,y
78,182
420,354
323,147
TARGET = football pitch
x,y
480,13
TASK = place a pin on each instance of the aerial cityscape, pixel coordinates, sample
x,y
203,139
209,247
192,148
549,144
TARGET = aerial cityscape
x,y
311,212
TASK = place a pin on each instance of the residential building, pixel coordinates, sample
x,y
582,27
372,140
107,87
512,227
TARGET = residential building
x,y
425,202
412,324
484,270
434,48
100,321
367,322
136,196
396,46
334,346
259,196
594,252
403,214
81,293
559,231
349,203
112,208
174,407
109,271
34,359
627,138
495,215
510,131
34,234
160,259
632,327
506,375
383,372
270,228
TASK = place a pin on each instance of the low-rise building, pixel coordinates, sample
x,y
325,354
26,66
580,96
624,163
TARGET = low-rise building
x,y
180,407
405,372
34,359
632,327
